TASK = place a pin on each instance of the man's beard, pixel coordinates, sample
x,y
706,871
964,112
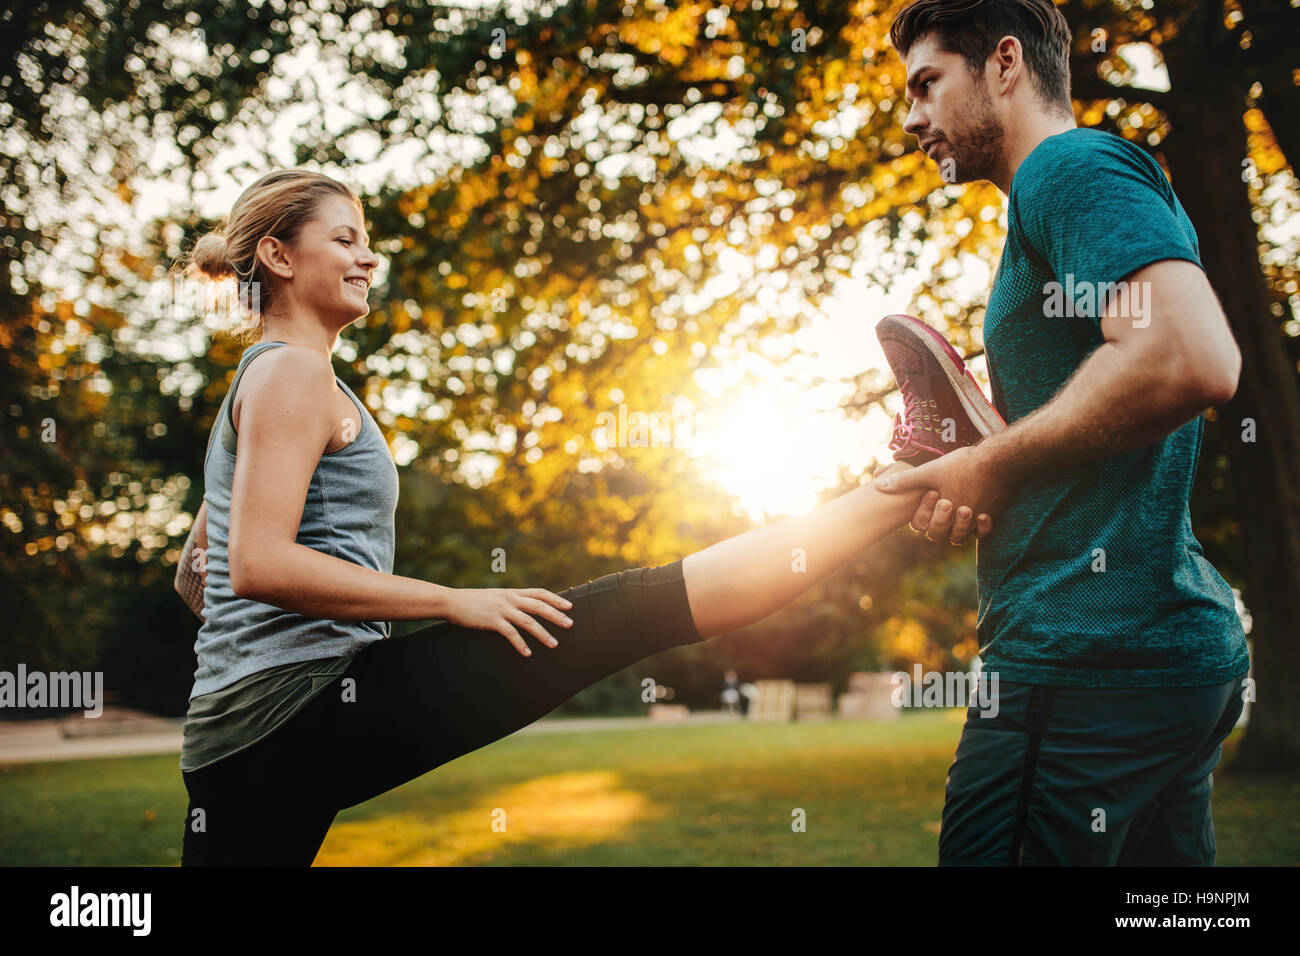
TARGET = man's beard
x,y
977,148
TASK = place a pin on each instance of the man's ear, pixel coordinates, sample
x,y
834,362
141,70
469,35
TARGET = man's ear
x,y
1008,64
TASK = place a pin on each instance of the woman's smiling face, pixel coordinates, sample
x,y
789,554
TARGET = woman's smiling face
x,y
331,262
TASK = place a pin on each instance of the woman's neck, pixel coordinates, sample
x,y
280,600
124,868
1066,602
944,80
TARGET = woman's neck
x,y
299,333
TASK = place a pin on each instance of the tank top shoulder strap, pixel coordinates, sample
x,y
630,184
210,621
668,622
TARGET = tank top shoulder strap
x,y
226,414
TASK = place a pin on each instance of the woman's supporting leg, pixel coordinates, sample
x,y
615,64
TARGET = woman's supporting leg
x,y
744,579
248,810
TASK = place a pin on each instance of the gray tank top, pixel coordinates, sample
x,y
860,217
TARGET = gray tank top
x,y
348,514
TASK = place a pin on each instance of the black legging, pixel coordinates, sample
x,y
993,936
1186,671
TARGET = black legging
x,y
421,699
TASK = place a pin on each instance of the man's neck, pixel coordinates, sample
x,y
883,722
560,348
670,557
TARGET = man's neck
x,y
1025,140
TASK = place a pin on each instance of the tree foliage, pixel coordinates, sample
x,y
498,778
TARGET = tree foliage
x,y
596,201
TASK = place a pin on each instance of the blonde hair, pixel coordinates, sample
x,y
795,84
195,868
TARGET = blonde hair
x,y
277,205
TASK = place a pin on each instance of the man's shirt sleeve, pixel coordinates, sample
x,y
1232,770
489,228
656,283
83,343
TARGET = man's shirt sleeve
x,y
1096,210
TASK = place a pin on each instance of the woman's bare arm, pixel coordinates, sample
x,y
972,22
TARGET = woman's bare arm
x,y
192,569
282,434
284,428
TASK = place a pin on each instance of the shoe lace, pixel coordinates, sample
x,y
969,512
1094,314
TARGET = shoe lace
x,y
913,418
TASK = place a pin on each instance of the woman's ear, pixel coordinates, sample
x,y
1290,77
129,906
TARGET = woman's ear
x,y
273,254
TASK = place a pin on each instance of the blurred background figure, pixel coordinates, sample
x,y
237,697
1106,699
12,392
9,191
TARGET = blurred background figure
x,y
735,695
731,692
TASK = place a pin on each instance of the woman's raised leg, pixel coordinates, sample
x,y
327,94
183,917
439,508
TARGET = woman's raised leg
x,y
742,580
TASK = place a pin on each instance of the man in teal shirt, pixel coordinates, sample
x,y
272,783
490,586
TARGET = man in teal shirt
x,y
1117,646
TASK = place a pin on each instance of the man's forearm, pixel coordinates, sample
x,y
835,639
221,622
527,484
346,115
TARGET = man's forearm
x,y
1114,402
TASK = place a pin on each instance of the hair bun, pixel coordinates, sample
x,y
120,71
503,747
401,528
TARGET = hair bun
x,y
211,257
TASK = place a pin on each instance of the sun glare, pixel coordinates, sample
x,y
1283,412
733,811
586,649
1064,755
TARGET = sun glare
x,y
777,445
776,452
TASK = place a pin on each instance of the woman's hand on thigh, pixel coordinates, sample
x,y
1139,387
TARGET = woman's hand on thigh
x,y
506,610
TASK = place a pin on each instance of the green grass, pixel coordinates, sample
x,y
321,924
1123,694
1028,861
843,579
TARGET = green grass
x,y
689,795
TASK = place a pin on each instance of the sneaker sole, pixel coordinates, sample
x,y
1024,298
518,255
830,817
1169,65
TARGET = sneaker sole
x,y
968,391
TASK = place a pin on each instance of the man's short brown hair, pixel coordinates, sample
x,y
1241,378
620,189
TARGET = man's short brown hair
x,y
972,29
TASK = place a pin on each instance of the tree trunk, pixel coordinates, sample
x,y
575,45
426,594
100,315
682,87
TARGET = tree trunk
x,y
1205,151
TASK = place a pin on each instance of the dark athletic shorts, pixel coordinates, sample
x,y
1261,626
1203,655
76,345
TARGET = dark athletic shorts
x,y
1074,776
421,699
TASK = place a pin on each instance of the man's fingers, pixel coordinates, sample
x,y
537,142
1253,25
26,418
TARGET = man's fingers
x,y
903,480
961,526
924,512
941,523
936,519
893,467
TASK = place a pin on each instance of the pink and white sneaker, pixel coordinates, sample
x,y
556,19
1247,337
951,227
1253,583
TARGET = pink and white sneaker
x,y
943,406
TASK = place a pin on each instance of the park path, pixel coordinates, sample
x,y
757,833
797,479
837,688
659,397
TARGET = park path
x,y
124,733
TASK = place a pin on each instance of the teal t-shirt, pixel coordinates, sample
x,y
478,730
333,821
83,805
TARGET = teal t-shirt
x,y
1093,577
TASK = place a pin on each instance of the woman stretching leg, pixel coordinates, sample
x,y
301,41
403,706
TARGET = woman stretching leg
x,y
744,579
303,705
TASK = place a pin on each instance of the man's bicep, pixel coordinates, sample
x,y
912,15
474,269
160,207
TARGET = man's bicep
x,y
1168,309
